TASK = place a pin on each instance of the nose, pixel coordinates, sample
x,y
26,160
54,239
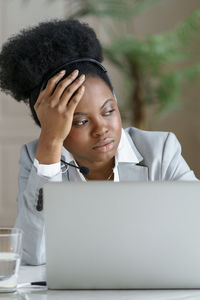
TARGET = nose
x,y
100,128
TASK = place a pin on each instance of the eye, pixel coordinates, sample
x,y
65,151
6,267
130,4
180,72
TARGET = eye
x,y
80,122
109,112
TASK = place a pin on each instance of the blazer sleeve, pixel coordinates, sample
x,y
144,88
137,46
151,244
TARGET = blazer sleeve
x,y
29,219
174,167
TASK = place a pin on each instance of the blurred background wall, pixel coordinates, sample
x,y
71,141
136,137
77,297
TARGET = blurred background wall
x,y
17,126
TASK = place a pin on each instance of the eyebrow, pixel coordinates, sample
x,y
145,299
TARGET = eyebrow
x,y
85,114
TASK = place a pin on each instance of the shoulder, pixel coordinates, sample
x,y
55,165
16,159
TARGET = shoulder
x,y
148,137
161,152
152,142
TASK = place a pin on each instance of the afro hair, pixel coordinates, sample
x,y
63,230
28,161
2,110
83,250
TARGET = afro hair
x,y
26,58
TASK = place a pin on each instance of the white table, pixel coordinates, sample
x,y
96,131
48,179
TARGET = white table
x,y
29,274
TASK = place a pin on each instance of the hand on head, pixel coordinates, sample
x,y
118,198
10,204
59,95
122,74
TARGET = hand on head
x,y
55,107
56,104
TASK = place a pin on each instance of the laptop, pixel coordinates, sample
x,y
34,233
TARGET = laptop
x,y
127,235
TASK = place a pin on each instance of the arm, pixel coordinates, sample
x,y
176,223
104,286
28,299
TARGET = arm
x,y
55,108
29,219
174,167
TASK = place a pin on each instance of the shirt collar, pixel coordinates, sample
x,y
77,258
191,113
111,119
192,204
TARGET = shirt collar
x,y
125,152
67,155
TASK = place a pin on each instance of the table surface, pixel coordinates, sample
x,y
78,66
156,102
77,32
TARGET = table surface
x,y
29,274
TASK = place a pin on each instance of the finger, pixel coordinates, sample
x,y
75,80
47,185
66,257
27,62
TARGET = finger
x,y
70,90
75,100
64,84
52,82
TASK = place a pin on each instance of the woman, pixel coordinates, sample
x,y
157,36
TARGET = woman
x,y
56,68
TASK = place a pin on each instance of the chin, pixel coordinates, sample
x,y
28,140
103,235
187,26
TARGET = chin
x,y
103,157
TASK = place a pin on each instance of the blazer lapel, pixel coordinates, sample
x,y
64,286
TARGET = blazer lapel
x,y
132,172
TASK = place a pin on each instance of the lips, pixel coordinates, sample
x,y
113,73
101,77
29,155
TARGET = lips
x,y
104,146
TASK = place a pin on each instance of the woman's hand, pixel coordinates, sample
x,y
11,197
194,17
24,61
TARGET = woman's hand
x,y
56,104
55,107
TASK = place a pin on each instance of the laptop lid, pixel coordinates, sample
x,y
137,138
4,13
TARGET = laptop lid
x,y
107,235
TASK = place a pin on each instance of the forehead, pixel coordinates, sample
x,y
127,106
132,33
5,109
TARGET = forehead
x,y
96,93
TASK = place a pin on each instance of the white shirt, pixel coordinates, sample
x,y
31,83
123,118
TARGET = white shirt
x,y
125,153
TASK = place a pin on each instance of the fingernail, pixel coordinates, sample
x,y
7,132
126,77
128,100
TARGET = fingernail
x,y
75,72
62,72
82,77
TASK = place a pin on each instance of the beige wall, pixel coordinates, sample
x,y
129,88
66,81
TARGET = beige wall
x,y
16,125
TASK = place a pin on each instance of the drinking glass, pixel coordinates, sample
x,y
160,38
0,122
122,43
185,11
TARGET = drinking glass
x,y
10,257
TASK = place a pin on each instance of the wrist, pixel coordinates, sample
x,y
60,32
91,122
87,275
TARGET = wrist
x,y
48,150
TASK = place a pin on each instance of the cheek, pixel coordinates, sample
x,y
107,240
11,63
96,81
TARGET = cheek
x,y
76,138
117,123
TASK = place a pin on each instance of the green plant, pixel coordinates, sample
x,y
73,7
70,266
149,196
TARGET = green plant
x,y
155,66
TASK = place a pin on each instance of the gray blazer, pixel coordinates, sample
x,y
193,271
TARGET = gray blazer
x,y
159,155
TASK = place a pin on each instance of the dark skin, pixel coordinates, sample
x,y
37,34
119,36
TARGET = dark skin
x,y
88,124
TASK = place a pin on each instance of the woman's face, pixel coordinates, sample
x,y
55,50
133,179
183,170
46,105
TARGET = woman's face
x,y
96,127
